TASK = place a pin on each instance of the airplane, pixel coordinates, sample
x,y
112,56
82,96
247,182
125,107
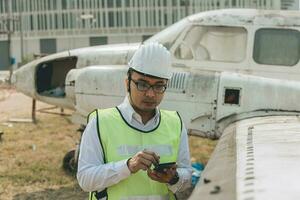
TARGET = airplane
x,y
220,102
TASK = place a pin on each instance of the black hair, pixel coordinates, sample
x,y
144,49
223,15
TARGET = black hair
x,y
129,73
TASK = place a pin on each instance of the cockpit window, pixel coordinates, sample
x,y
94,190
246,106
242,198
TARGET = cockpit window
x,y
277,47
213,43
167,36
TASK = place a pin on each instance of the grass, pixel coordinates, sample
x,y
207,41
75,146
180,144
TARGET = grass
x,y
31,154
201,148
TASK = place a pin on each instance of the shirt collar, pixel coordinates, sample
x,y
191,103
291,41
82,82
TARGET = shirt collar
x,y
129,113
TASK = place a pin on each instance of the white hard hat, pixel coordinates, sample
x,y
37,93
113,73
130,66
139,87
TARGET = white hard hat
x,y
152,59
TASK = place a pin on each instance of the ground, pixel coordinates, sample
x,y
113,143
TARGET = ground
x,y
31,153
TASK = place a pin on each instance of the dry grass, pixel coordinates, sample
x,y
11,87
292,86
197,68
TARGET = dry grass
x,y
201,148
31,156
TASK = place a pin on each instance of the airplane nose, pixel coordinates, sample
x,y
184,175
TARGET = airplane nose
x,y
23,79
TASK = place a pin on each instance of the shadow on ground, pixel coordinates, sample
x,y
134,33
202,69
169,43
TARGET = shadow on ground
x,y
67,193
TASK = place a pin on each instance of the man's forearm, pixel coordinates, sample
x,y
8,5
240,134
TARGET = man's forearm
x,y
97,178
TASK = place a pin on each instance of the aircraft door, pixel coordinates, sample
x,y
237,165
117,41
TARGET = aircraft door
x,y
202,92
70,85
194,95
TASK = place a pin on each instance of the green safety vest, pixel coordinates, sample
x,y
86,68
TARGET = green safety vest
x,y
119,141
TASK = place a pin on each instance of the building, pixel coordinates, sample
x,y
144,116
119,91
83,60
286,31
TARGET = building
x,y
290,5
49,26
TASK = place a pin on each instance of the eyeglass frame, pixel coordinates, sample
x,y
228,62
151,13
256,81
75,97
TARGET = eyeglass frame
x,y
149,86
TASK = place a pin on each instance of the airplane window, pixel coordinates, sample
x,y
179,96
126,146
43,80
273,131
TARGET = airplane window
x,y
184,52
277,47
215,43
232,96
168,36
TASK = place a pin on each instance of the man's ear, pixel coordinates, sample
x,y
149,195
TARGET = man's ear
x,y
127,82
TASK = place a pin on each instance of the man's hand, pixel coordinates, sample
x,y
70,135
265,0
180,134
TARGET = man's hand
x,y
164,177
142,160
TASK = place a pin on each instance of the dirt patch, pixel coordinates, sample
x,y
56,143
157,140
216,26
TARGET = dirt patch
x,y
31,154
14,104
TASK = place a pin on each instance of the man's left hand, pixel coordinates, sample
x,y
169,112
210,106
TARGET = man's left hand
x,y
164,177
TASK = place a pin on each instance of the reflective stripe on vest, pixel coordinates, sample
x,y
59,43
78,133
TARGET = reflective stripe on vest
x,y
120,141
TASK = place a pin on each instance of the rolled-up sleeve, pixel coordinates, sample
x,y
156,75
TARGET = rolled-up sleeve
x,y
93,174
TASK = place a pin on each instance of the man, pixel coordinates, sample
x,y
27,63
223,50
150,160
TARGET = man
x,y
120,146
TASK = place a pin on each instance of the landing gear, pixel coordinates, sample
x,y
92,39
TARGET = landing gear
x,y
70,163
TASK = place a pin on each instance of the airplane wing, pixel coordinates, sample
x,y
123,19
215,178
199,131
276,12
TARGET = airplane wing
x,y
255,158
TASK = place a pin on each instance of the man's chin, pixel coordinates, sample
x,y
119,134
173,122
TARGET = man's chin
x,y
149,104
148,109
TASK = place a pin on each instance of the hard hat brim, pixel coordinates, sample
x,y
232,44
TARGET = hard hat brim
x,y
148,75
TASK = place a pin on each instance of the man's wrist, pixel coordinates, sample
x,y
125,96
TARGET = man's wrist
x,y
127,163
174,179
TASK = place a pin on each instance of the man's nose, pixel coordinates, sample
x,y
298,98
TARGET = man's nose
x,y
150,92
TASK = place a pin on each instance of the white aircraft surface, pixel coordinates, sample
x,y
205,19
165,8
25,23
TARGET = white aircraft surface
x,y
256,159
256,117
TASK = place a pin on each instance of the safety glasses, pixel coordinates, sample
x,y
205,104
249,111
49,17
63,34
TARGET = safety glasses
x,y
144,86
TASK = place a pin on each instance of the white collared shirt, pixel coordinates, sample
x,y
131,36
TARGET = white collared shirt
x,y
94,175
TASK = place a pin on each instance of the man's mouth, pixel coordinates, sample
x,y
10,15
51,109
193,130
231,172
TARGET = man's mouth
x,y
149,102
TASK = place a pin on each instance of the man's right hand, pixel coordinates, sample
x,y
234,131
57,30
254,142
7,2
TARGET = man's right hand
x,y
142,160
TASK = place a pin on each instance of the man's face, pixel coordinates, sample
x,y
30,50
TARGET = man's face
x,y
147,100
